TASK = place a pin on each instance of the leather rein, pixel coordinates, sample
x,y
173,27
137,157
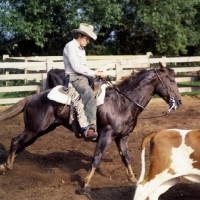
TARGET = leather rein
x,y
172,100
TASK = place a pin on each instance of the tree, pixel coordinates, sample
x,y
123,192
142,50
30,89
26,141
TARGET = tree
x,y
48,23
42,27
163,27
172,24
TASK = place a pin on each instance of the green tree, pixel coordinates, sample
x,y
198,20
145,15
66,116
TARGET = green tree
x,y
42,27
48,23
172,24
164,27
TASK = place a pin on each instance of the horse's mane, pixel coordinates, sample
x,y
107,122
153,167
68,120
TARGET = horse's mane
x,y
135,76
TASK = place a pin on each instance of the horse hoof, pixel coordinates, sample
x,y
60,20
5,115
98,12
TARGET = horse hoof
x,y
86,189
133,179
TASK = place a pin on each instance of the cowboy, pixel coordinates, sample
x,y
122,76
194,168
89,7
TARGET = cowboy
x,y
74,58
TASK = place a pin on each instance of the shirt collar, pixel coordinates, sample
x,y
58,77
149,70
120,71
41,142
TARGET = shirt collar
x,y
77,44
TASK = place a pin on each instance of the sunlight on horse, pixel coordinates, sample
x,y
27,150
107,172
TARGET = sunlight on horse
x,y
116,118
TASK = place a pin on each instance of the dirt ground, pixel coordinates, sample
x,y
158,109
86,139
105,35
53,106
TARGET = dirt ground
x,y
54,167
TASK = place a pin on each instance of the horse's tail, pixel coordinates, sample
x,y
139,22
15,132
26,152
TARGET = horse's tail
x,y
144,142
15,109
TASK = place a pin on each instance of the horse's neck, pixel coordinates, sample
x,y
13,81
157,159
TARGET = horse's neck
x,y
142,93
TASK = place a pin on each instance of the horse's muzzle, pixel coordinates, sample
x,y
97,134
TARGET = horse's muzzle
x,y
174,104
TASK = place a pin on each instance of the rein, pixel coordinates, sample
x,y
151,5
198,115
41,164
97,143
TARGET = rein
x,y
142,107
118,90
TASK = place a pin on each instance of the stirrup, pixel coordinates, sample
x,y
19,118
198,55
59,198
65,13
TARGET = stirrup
x,y
90,133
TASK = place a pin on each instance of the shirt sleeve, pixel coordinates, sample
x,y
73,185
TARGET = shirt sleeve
x,y
77,60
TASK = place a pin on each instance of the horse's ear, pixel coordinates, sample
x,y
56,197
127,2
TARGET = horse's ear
x,y
161,67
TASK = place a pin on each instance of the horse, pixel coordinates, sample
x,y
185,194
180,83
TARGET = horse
x,y
116,118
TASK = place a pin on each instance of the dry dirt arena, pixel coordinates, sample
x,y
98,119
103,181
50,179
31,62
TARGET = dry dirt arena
x,y
54,167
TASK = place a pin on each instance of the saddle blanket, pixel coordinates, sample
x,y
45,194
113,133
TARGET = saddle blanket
x,y
56,95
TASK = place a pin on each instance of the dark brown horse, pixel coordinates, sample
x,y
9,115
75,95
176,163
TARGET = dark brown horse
x,y
116,118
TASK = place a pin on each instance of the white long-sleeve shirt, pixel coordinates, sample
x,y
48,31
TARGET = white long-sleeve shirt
x,y
74,59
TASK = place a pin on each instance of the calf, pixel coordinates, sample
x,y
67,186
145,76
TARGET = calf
x,y
174,153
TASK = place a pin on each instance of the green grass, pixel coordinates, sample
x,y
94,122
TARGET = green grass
x,y
190,93
15,94
183,94
191,83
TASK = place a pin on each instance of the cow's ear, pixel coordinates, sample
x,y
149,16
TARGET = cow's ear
x,y
161,66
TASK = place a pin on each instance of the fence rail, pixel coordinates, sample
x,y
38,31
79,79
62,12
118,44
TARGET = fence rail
x,y
35,69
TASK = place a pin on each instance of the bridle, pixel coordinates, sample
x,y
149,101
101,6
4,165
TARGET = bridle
x,y
172,101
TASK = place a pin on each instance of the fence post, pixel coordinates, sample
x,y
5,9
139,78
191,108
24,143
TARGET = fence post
x,y
163,58
4,57
149,54
25,71
38,89
119,71
4,70
48,64
44,81
7,72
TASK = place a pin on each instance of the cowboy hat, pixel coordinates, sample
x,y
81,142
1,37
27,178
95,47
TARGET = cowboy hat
x,y
85,29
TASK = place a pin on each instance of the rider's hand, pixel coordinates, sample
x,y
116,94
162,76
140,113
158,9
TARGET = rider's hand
x,y
100,74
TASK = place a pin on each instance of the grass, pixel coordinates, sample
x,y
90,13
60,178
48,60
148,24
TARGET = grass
x,y
15,94
191,83
190,93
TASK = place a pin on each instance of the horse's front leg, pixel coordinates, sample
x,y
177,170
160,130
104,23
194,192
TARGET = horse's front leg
x,y
102,144
122,145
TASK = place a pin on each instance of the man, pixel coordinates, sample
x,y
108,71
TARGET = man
x,y
74,57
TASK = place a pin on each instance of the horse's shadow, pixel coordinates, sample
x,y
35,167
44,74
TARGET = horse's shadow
x,y
69,161
2,147
111,193
73,161
181,191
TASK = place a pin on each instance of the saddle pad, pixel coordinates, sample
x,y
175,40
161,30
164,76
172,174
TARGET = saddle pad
x,y
56,95
101,97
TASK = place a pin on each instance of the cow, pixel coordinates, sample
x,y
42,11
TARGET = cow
x,y
174,153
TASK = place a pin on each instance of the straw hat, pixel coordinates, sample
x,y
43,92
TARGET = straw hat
x,y
86,29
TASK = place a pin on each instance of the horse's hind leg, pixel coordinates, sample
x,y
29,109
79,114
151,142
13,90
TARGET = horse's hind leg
x,y
122,145
18,144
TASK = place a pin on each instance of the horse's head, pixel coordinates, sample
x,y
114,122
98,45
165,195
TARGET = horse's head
x,y
167,87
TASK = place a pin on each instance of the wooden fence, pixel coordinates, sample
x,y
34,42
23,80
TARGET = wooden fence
x,y
35,69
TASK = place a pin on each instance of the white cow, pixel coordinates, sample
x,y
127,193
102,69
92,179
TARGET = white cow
x,y
174,153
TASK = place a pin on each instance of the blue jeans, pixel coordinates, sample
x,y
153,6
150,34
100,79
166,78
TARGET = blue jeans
x,y
81,84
